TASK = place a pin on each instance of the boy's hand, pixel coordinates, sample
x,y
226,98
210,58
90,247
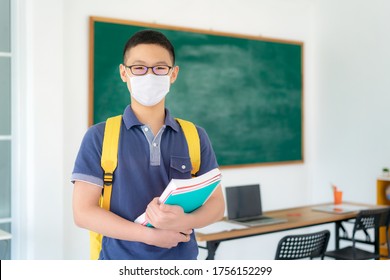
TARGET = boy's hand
x,y
165,216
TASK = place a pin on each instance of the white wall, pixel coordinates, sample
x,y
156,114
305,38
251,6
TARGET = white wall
x,y
352,128
337,93
38,199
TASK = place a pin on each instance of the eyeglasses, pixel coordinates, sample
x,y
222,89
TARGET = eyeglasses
x,y
159,70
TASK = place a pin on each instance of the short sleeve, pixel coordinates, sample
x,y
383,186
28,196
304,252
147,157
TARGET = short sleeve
x,y
208,159
87,165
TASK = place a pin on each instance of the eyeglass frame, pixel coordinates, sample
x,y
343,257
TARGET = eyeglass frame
x,y
147,69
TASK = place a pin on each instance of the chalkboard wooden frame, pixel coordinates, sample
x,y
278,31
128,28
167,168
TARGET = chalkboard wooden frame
x,y
245,158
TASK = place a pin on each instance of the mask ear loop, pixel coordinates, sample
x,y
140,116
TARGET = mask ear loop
x,y
170,74
127,73
128,82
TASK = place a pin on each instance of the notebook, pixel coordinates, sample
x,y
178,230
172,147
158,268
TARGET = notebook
x,y
244,206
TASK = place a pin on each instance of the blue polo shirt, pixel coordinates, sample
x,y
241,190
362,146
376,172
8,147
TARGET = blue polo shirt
x,y
146,163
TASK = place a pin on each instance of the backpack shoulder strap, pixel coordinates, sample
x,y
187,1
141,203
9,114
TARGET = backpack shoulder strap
x,y
108,162
193,142
109,159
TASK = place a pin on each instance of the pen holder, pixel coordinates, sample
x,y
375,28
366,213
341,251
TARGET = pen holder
x,y
338,197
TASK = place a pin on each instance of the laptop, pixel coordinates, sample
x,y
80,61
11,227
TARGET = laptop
x,y
244,206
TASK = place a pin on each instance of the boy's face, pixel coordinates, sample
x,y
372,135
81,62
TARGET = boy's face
x,y
148,55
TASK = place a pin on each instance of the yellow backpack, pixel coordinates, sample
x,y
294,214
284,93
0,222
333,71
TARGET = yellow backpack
x,y
109,161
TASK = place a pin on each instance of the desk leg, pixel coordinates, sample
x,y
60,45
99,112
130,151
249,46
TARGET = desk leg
x,y
337,235
376,233
211,249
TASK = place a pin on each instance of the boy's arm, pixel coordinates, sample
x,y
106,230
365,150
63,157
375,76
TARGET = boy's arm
x,y
87,214
173,217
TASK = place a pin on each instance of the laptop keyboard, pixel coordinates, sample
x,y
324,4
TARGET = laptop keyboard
x,y
259,221
260,218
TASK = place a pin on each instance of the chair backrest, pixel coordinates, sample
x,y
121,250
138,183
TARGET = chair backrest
x,y
370,218
300,246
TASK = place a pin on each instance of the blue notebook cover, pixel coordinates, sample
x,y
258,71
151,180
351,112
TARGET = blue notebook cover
x,y
190,194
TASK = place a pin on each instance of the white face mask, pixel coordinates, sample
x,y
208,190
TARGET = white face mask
x,y
149,89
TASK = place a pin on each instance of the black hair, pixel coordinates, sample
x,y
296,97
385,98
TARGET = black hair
x,y
149,37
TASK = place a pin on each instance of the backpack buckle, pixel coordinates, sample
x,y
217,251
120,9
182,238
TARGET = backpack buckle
x,y
108,178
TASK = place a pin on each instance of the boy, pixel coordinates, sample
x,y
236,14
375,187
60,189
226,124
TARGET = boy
x,y
152,150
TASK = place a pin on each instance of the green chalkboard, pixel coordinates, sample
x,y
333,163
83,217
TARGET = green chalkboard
x,y
245,91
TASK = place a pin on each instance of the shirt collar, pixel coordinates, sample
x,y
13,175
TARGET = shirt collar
x,y
131,120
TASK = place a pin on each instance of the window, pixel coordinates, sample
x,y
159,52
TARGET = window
x,y
5,127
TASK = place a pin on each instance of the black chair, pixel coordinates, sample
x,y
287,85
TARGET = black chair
x,y
300,246
364,221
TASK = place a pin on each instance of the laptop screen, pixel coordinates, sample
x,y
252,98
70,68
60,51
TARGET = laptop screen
x,y
243,201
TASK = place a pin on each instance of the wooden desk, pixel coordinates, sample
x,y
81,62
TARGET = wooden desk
x,y
298,217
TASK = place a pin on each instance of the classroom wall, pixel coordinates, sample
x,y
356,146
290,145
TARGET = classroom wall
x,y
352,116
344,123
38,226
